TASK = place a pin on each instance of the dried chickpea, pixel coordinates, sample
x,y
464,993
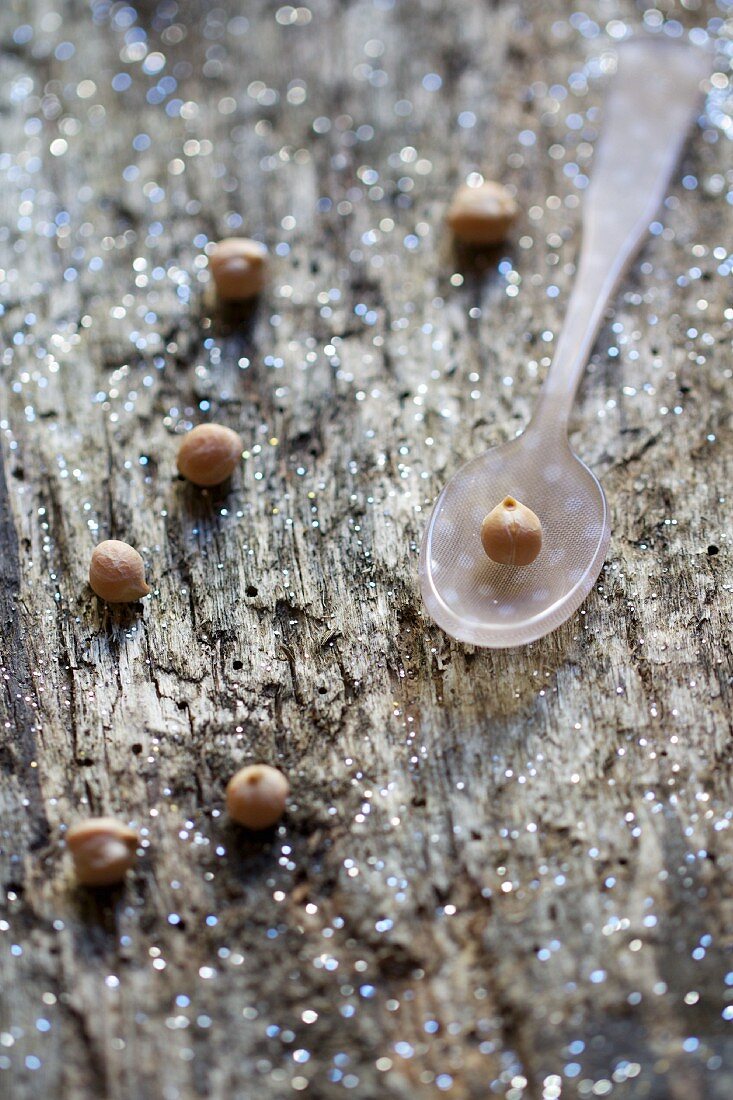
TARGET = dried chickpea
x,y
256,796
117,572
511,534
209,454
238,267
482,215
103,850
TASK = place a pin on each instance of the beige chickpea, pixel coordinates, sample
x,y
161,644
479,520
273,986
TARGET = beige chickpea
x,y
238,267
256,796
209,454
482,215
117,572
103,850
511,534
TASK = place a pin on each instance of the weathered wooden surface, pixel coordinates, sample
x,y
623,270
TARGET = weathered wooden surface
x,y
503,873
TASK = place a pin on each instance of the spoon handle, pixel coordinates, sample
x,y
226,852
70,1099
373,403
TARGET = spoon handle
x,y
649,107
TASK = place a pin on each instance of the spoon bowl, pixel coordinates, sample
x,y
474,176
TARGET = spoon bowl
x,y
484,603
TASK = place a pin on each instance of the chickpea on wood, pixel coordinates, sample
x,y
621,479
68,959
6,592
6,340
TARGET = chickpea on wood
x,y
103,850
209,454
511,534
238,267
482,215
256,796
117,572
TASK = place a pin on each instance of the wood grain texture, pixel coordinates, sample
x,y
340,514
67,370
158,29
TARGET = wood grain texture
x,y
502,873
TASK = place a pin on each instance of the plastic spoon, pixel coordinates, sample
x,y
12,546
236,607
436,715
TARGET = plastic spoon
x,y
648,110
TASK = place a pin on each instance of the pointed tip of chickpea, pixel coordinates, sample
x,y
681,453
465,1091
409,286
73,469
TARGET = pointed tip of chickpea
x,y
238,267
209,454
102,849
256,796
482,215
117,572
511,534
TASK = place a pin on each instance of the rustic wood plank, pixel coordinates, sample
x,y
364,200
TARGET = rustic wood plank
x,y
503,873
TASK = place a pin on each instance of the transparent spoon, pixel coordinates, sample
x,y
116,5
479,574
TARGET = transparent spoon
x,y
648,110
